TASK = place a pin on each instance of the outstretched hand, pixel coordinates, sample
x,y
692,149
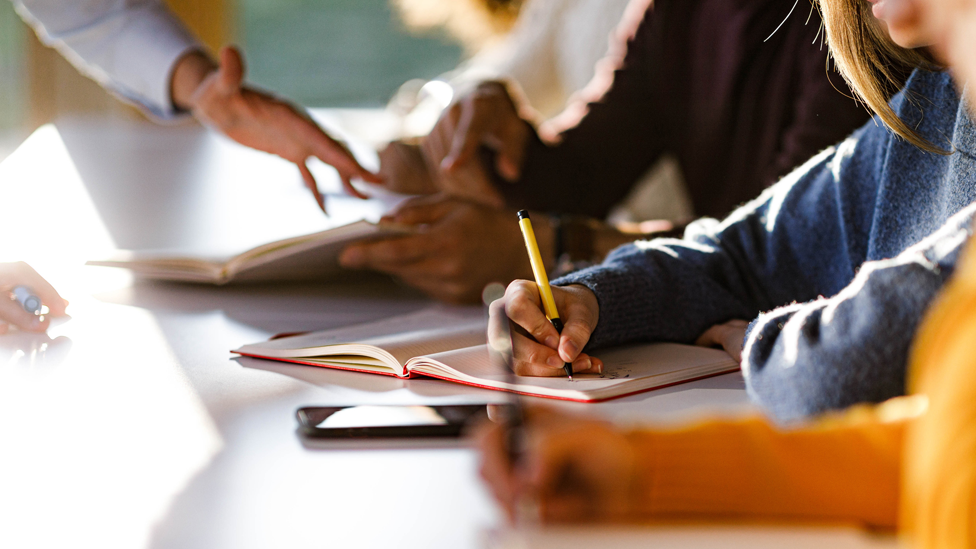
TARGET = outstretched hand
x,y
259,120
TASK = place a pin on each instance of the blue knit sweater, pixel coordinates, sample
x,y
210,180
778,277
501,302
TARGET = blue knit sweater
x,y
836,263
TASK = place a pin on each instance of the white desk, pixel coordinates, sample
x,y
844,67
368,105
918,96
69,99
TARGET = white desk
x,y
131,426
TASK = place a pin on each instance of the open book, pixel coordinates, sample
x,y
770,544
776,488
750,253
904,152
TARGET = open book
x,y
451,346
310,256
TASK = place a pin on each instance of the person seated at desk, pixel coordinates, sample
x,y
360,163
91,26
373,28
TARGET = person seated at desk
x,y
12,312
908,463
859,201
810,281
142,53
695,78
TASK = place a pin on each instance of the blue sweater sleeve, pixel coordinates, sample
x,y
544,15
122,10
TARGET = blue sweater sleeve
x,y
801,238
808,358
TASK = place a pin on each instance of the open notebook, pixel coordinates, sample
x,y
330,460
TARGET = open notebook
x,y
451,346
311,256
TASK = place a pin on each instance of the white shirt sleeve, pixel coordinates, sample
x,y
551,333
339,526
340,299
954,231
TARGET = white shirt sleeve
x,y
130,47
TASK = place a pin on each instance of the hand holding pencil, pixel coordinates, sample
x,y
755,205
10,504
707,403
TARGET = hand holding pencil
x,y
543,349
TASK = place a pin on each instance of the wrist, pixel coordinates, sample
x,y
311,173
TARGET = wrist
x,y
189,72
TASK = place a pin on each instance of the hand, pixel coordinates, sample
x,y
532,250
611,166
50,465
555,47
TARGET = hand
x,y
12,312
729,336
461,247
487,116
255,119
574,469
539,350
404,169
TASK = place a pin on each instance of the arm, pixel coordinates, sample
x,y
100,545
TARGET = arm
x,y
831,353
139,50
128,46
612,135
764,255
840,468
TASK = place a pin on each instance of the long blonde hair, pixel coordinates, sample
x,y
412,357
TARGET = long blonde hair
x,y
873,65
474,22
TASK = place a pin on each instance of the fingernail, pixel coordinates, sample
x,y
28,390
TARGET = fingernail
x,y
569,351
554,361
599,367
552,342
351,257
582,364
447,164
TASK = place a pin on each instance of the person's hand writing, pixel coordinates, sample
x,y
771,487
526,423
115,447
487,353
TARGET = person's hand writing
x,y
728,336
485,117
574,470
218,98
460,247
12,312
538,349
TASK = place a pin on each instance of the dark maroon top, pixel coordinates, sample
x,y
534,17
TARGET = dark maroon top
x,y
697,81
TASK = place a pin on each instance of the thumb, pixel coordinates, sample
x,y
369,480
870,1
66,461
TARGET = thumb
x,y
231,68
576,332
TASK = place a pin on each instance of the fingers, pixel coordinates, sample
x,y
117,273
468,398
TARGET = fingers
x,y
22,274
523,305
422,210
310,183
473,124
495,467
387,255
729,336
347,185
537,355
231,69
12,312
335,154
581,470
578,324
405,169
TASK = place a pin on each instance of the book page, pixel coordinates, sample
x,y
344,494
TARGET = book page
x,y
425,332
626,369
306,257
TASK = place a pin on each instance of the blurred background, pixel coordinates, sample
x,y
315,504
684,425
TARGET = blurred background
x,y
320,53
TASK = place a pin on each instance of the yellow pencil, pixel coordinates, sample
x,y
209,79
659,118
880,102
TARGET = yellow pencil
x,y
541,280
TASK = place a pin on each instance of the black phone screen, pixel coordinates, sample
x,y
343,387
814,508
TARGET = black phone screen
x,y
364,422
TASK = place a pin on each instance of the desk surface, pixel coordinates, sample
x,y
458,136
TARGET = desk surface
x,y
131,425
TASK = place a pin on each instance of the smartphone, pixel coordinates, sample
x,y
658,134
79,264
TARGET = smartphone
x,y
388,422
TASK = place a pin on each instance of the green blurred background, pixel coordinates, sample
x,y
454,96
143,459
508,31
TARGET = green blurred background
x,y
316,52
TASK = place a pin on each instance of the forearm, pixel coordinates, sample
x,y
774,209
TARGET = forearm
x,y
663,290
840,469
129,47
831,353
